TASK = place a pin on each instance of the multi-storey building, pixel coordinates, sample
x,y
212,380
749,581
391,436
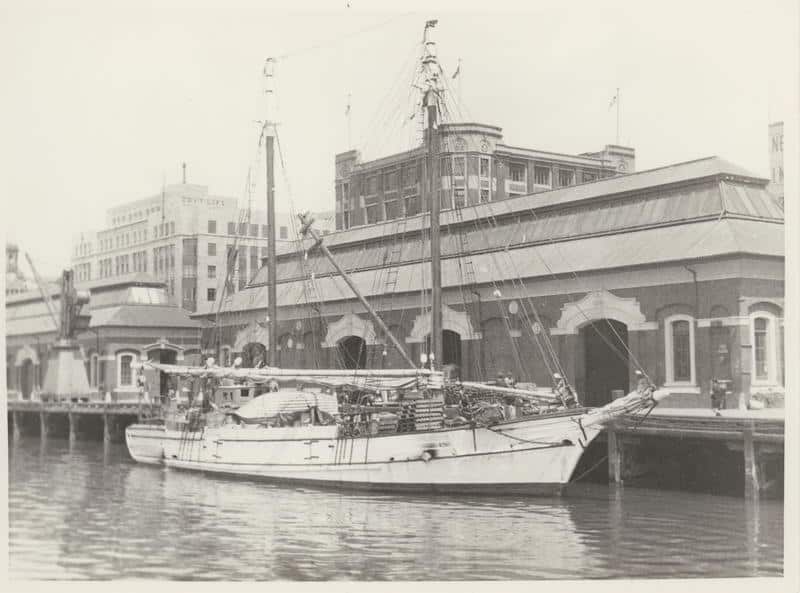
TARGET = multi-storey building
x,y
474,166
185,237
776,160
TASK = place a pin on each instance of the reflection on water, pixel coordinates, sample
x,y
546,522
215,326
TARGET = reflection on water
x,y
86,511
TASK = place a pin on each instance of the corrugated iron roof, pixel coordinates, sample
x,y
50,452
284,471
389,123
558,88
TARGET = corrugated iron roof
x,y
675,205
647,180
142,316
42,324
677,242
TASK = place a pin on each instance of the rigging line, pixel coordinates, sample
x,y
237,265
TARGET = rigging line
x,y
506,323
519,283
614,349
410,59
390,125
691,246
335,40
545,341
493,255
216,333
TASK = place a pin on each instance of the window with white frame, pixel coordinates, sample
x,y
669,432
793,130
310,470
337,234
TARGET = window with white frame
x,y
94,365
679,350
484,167
566,177
517,172
125,372
763,337
541,176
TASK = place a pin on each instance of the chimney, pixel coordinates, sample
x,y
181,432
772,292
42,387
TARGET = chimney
x,y
184,173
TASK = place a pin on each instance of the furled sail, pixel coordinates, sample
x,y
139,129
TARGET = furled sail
x,y
363,379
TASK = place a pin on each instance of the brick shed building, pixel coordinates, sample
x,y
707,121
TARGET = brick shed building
x,y
130,320
677,270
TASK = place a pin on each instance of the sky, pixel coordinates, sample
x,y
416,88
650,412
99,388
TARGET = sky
x,y
102,101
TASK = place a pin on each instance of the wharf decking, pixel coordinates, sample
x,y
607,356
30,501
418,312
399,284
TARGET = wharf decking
x,y
758,434
115,415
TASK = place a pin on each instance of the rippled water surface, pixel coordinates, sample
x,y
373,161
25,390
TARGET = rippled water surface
x,y
86,511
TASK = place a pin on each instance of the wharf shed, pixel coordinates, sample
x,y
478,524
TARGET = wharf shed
x,y
683,264
130,320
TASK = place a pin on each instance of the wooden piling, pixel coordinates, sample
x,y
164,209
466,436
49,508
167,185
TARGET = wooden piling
x,y
16,428
106,428
751,474
43,424
615,457
73,426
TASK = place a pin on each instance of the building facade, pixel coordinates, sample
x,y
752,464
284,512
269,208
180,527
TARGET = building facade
x,y
131,320
676,271
184,237
473,167
776,159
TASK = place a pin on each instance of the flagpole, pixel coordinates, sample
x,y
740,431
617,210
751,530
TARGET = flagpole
x,y
460,76
617,116
349,141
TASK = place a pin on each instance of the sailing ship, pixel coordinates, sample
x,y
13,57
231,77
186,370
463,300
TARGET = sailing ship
x,y
393,430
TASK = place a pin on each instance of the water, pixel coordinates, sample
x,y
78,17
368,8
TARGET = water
x,y
86,511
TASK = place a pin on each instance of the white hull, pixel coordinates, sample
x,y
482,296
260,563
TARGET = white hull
x,y
533,456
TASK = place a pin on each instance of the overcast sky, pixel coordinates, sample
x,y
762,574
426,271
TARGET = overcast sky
x,y
101,99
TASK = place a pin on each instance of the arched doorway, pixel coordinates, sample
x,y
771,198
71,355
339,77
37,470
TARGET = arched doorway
x,y
606,365
352,351
451,348
26,378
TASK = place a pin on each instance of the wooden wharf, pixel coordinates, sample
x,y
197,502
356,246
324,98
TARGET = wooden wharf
x,y
759,435
115,416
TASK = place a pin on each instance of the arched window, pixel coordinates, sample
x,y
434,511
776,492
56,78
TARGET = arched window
x,y
679,350
763,337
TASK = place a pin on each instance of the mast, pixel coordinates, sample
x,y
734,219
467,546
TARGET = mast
x,y
272,297
430,65
306,229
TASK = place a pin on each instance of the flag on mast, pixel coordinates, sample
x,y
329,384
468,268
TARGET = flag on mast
x,y
614,100
347,108
458,70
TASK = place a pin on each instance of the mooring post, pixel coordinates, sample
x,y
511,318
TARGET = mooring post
x,y
43,424
615,457
751,477
106,429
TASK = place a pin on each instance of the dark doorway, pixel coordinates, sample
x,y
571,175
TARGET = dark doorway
x,y
605,343
352,352
451,349
26,378
254,355
163,356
